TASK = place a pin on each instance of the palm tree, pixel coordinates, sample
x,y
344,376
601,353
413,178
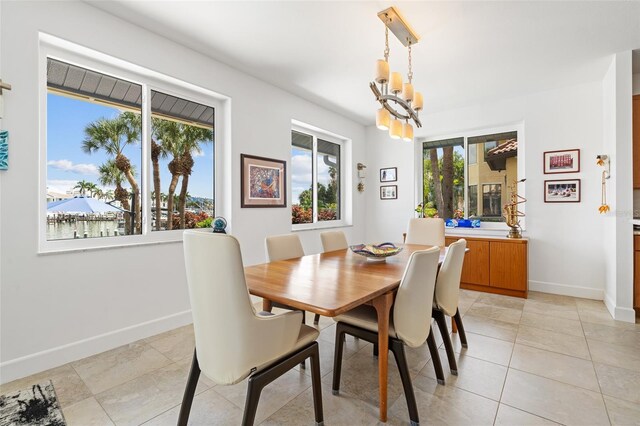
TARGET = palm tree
x,y
194,136
108,195
83,186
112,136
111,175
181,141
92,188
163,133
98,193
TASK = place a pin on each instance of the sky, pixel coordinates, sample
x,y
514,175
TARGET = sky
x,y
67,163
301,172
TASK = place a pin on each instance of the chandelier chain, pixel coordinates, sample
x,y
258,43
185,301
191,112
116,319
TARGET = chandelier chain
x,y
410,75
386,43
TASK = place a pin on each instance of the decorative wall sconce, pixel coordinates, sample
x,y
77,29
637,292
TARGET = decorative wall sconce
x,y
362,173
604,161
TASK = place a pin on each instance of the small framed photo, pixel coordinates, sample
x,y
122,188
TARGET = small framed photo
x,y
562,191
389,192
390,174
567,161
263,182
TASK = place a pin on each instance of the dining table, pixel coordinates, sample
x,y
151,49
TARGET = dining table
x,y
335,282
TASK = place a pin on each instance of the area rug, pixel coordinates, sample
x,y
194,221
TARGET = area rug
x,y
37,406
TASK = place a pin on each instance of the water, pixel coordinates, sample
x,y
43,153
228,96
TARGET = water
x,y
64,230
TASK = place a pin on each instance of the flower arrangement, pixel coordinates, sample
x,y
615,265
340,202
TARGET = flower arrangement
x,y
426,210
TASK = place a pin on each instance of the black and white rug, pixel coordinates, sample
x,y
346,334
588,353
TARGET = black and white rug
x,y
37,406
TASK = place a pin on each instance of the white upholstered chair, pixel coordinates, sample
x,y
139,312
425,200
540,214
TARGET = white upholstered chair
x,y
283,247
410,323
427,231
447,293
232,341
333,240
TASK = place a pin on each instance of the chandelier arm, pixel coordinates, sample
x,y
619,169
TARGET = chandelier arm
x,y
384,101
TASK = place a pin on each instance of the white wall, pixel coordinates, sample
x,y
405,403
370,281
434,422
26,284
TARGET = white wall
x,y
617,143
636,84
566,254
60,307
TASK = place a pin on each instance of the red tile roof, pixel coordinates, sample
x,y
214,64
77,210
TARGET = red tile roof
x,y
509,147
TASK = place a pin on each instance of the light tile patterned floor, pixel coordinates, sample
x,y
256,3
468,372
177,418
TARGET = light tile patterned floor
x,y
545,360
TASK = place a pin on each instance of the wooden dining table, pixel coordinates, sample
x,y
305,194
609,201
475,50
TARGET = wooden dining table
x,y
335,282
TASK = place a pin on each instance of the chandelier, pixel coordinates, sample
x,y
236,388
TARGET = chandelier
x,y
396,98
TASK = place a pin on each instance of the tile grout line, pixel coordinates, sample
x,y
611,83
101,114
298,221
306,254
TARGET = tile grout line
x,y
92,394
504,383
593,365
533,414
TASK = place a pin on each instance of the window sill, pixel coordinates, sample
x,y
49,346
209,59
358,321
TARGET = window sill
x,y
495,231
106,243
319,225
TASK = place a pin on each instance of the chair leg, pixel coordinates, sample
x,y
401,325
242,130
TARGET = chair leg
x,y
375,350
316,319
444,332
189,391
316,385
435,358
303,364
337,359
401,359
463,337
251,403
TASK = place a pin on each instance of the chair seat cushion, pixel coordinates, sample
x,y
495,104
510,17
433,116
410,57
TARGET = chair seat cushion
x,y
307,335
365,316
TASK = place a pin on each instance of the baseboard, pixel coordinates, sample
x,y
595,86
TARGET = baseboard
x,y
610,304
54,357
567,290
618,313
625,314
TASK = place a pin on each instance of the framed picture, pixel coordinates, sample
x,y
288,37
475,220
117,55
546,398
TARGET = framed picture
x,y
390,174
389,192
562,191
567,161
263,182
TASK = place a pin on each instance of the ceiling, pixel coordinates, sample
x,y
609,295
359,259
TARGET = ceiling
x,y
469,52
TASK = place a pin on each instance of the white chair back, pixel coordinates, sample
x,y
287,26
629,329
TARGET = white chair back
x,y
282,247
448,283
333,240
230,338
427,231
414,300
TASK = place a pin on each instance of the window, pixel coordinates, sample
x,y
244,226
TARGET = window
x,y
98,151
316,174
182,158
490,167
473,200
443,181
491,200
473,154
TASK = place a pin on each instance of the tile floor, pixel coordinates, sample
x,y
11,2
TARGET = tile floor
x,y
548,359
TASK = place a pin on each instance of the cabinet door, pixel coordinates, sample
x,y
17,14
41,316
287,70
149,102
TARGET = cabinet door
x,y
475,269
508,265
636,141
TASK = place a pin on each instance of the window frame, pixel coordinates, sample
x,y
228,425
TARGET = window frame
x,y
52,47
489,227
343,190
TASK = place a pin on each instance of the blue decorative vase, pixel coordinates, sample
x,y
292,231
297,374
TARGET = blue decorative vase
x,y
219,225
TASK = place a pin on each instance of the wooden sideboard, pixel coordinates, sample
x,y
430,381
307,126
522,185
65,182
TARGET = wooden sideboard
x,y
495,265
